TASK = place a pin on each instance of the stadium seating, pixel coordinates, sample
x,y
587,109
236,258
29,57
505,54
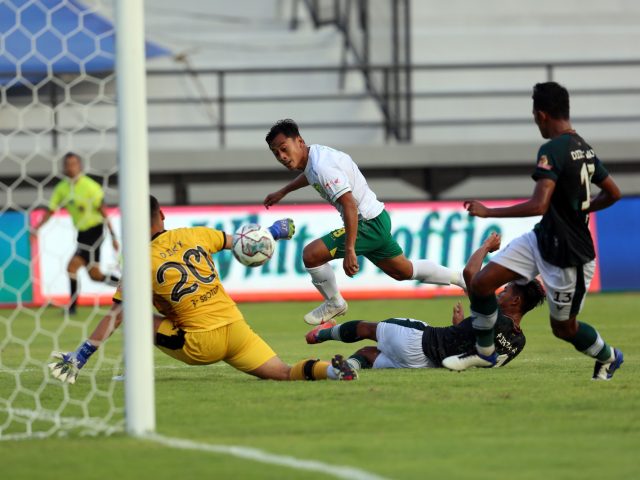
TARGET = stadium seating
x,y
488,139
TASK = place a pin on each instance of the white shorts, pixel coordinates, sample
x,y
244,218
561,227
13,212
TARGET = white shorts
x,y
566,287
400,346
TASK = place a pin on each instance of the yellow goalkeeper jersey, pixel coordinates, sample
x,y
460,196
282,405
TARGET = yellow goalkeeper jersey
x,y
186,286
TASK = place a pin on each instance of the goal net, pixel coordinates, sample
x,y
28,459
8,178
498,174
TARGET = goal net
x,y
57,95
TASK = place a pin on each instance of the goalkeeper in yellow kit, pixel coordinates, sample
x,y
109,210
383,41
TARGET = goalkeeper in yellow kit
x,y
199,323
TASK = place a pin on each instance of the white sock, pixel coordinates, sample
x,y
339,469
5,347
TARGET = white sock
x,y
354,363
325,281
427,271
486,351
331,373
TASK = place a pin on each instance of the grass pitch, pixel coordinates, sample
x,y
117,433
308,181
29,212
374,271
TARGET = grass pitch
x,y
539,417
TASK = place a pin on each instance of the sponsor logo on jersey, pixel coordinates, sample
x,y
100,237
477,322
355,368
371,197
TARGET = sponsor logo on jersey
x,y
543,163
331,183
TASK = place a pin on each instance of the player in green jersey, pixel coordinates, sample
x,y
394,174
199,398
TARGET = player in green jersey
x,y
83,198
560,248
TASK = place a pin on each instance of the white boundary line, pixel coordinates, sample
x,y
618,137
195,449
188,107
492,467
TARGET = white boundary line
x,y
257,455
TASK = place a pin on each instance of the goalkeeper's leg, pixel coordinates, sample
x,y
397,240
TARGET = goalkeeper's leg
x,y
310,369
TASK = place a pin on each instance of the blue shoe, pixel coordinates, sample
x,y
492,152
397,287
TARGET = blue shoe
x,y
468,360
605,371
283,229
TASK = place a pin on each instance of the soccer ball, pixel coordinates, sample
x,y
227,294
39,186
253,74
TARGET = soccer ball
x,y
253,245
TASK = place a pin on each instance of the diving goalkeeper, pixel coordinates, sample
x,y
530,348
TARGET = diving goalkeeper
x,y
200,324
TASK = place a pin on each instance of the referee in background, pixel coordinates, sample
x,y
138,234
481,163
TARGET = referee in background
x,y
83,198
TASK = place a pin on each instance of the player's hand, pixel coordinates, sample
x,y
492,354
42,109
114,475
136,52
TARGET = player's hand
x,y
350,263
66,368
283,229
273,198
458,314
476,209
115,244
492,243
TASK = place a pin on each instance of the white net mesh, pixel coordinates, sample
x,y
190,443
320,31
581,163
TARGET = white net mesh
x,y
57,95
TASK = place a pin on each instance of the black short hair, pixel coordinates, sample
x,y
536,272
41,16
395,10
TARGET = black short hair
x,y
551,98
532,295
154,206
287,127
70,155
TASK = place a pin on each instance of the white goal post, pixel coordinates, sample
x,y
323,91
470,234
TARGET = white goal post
x,y
65,88
133,158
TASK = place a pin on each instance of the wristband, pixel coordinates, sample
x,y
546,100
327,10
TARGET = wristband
x,y
85,351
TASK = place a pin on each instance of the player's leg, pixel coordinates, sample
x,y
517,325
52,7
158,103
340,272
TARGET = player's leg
x,y
377,243
348,332
92,239
79,260
484,312
316,257
400,344
309,369
249,353
425,271
516,261
363,358
566,291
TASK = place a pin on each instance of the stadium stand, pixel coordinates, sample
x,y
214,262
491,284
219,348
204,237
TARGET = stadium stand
x,y
211,104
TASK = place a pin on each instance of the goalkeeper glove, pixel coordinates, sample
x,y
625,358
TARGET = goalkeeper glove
x,y
68,366
283,229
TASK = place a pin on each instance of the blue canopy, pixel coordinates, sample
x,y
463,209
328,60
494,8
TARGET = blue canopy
x,y
45,37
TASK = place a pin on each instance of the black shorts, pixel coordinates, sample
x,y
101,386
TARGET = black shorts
x,y
89,243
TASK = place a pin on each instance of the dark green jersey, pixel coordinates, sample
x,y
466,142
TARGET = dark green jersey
x,y
563,233
439,343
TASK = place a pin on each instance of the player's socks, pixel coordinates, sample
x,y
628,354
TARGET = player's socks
x,y
324,279
484,312
426,271
359,362
345,332
309,370
588,341
73,287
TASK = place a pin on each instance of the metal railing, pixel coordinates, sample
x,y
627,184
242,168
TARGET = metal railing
x,y
386,72
354,20
222,101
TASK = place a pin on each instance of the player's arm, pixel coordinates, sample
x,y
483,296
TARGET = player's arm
x,y
228,242
538,204
474,264
68,364
350,214
107,221
609,194
297,183
282,229
54,204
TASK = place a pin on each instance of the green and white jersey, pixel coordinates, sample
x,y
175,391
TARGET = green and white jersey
x,y
333,173
563,233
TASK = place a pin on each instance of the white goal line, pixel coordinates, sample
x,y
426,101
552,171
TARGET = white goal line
x,y
257,455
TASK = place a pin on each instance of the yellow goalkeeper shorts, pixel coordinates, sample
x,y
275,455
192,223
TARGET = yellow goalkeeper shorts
x,y
234,343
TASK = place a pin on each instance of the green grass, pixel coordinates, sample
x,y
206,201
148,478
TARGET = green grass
x,y
539,417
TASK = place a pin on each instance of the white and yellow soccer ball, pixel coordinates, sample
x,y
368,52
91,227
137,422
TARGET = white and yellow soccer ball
x,y
253,245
